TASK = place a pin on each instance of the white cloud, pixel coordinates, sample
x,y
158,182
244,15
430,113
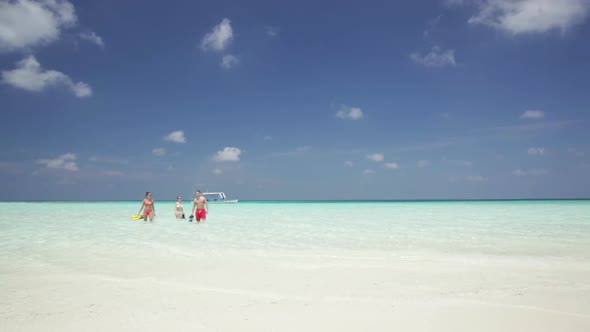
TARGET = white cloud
x,y
25,23
531,16
352,113
217,171
368,171
65,161
348,163
536,151
431,27
81,89
29,75
229,153
423,163
93,38
219,38
392,165
577,152
529,172
159,152
532,114
518,172
376,157
475,178
454,2
272,31
228,61
176,136
436,58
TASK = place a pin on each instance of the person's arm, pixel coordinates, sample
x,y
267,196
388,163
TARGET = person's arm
x,y
206,206
154,207
142,205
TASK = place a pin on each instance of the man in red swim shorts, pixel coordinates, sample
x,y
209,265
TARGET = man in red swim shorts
x,y
202,206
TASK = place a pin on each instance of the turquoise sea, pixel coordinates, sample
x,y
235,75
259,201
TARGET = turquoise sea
x,y
297,266
520,228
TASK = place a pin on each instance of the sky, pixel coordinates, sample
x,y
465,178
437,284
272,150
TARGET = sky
x,y
307,100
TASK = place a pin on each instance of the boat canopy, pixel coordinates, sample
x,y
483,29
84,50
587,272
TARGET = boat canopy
x,y
217,196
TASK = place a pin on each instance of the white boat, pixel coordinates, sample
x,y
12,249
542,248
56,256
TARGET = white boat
x,y
218,197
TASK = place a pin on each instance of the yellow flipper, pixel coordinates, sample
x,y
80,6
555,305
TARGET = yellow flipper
x,y
136,216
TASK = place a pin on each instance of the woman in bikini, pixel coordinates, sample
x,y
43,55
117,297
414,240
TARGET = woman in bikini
x,y
179,209
148,207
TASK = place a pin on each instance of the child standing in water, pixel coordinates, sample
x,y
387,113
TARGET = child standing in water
x,y
179,208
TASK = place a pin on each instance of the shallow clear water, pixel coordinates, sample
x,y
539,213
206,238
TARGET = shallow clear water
x,y
40,231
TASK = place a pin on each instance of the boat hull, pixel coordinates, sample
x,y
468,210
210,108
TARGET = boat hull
x,y
227,201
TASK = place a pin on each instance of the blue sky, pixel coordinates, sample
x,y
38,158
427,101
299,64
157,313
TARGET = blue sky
x,y
295,100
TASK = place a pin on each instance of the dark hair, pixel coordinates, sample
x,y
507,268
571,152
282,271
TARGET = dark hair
x,y
199,191
147,192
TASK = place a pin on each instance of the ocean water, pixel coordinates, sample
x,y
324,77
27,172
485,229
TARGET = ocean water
x,y
63,232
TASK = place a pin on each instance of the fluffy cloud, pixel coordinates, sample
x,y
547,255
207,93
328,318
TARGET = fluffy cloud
x,y
65,161
352,113
531,16
176,136
272,31
219,38
529,172
465,163
348,163
536,151
368,171
392,165
217,171
376,157
228,61
30,76
454,2
436,58
93,38
577,152
25,23
532,114
159,152
80,89
229,153
475,178
423,163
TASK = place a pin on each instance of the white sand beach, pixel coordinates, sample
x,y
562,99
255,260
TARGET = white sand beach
x,y
253,292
